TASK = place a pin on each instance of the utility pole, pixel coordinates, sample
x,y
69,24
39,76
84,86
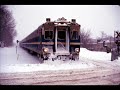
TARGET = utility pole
x,y
16,49
115,51
17,45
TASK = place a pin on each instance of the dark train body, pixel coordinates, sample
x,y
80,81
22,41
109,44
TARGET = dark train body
x,y
55,39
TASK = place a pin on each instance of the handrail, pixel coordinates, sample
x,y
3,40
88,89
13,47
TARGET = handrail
x,y
59,44
62,45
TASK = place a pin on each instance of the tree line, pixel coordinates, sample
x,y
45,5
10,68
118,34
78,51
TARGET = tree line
x,y
8,32
87,41
7,26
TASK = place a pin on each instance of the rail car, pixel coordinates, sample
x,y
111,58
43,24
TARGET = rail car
x,y
58,39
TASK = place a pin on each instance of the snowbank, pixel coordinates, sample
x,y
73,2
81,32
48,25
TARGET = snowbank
x,y
47,65
8,55
11,62
25,62
94,55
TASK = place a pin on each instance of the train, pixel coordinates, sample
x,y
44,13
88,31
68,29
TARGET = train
x,y
59,39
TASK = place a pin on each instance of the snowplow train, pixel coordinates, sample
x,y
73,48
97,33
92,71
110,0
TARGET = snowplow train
x,y
58,39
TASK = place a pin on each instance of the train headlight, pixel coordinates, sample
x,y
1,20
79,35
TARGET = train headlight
x,y
46,50
77,50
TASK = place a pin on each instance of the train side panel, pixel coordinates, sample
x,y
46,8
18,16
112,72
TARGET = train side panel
x,y
33,41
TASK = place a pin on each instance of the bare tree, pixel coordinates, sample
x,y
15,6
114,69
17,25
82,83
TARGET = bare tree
x,y
105,36
108,39
102,37
85,37
7,27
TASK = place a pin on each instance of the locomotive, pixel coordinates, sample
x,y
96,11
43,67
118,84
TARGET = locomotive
x,y
58,39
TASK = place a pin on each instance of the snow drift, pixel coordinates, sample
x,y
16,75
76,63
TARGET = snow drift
x,y
94,55
22,61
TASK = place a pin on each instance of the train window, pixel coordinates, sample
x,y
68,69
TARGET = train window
x,y
48,34
74,35
61,34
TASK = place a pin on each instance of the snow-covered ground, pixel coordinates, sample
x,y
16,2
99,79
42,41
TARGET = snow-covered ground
x,y
95,55
22,61
8,55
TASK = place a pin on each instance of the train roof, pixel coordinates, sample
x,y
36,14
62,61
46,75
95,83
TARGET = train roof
x,y
61,22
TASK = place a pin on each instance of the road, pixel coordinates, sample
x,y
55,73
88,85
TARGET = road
x,y
105,73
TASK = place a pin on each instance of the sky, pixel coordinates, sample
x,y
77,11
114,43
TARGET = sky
x,y
96,18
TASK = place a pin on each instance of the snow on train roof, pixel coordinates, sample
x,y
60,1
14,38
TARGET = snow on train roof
x,y
61,19
63,22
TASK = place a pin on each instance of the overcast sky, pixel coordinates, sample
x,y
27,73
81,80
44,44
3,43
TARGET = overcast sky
x,y
96,18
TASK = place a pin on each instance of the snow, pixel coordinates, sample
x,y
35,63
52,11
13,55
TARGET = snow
x,y
48,65
22,61
95,55
8,55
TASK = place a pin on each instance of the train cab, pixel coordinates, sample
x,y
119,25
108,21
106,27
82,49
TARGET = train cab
x,y
58,39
